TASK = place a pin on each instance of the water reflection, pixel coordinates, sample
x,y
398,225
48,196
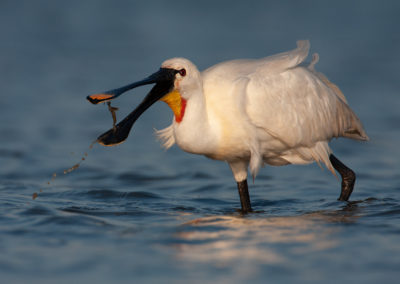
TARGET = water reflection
x,y
271,240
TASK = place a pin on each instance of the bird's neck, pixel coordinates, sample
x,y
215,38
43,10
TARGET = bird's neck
x,y
194,134
195,111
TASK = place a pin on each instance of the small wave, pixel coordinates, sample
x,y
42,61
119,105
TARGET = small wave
x,y
283,202
113,194
143,194
138,178
105,194
210,201
200,175
37,210
99,212
72,219
206,188
185,209
387,213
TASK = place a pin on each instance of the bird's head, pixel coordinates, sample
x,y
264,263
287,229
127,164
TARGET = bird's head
x,y
175,82
187,79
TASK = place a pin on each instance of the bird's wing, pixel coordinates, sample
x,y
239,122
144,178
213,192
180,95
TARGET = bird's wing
x,y
233,70
299,108
293,103
282,61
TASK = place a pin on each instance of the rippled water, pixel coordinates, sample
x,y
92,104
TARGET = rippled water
x,y
135,213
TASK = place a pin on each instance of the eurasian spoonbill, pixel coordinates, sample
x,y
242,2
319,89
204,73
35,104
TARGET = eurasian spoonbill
x,y
276,110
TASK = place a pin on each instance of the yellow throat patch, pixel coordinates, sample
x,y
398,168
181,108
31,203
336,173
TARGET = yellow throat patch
x,y
176,103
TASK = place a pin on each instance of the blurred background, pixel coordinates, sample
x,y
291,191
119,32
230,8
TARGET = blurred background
x,y
129,210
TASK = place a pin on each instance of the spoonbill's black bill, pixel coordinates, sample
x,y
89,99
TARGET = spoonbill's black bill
x,y
275,110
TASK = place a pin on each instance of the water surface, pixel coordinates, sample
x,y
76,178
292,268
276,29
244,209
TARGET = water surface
x,y
137,213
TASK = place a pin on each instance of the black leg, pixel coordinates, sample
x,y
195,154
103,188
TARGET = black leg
x,y
244,196
348,178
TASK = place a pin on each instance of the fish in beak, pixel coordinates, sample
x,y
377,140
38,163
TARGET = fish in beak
x,y
164,80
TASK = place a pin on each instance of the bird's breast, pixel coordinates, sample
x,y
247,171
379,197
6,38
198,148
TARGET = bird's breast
x,y
216,131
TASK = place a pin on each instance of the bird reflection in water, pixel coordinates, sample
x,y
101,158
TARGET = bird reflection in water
x,y
225,240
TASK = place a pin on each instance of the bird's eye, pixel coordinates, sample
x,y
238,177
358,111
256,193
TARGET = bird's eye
x,y
182,72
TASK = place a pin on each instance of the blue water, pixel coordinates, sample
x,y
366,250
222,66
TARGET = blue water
x,y
138,214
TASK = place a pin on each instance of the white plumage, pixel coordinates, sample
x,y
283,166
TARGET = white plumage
x,y
273,110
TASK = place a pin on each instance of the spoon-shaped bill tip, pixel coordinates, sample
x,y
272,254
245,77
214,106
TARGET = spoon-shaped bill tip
x,y
99,98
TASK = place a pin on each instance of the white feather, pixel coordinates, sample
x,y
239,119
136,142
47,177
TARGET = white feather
x,y
166,136
273,110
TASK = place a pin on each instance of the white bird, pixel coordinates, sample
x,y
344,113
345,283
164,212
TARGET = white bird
x,y
275,110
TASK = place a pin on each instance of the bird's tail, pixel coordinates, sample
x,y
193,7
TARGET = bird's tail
x,y
351,128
